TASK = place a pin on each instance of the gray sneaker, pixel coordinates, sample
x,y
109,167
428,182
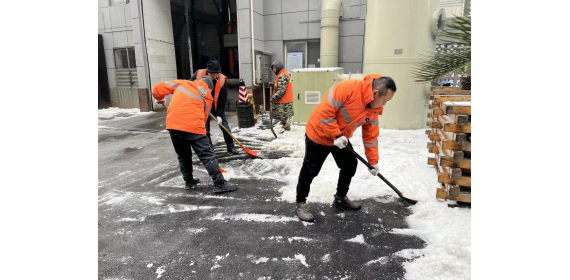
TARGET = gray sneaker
x,y
302,211
225,187
345,203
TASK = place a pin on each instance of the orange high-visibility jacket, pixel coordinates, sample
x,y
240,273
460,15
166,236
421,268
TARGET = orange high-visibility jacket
x,y
189,106
288,97
219,84
342,111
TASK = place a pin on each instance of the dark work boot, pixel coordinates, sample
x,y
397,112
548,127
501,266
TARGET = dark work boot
x,y
191,184
345,203
225,187
232,151
302,211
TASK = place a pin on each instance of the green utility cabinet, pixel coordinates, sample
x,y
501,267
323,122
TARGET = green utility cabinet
x,y
310,86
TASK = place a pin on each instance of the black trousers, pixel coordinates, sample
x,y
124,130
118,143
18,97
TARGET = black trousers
x,y
227,138
315,156
183,143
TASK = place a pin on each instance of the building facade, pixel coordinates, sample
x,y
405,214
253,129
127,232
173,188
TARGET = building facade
x,y
147,41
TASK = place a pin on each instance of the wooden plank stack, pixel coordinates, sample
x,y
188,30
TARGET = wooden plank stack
x,y
450,133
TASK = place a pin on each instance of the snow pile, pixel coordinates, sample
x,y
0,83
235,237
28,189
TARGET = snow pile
x,y
141,219
295,238
261,260
447,231
160,271
175,208
255,218
358,239
298,257
276,238
409,254
402,156
114,112
381,260
403,161
196,230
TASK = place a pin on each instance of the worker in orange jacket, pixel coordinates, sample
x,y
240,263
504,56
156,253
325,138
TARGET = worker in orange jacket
x,y
282,96
186,122
220,95
346,106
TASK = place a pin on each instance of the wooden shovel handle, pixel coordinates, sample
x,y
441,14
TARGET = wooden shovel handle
x,y
224,128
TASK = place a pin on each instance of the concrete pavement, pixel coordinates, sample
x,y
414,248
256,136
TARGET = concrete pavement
x,y
150,227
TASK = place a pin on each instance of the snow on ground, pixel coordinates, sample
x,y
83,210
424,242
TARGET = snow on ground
x,y
254,218
114,112
358,239
160,271
403,161
297,238
381,260
298,257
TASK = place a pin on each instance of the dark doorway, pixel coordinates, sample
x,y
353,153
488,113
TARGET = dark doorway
x,y
103,87
181,43
203,31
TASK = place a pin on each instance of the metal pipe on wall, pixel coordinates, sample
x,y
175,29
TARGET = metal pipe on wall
x,y
145,53
252,44
330,14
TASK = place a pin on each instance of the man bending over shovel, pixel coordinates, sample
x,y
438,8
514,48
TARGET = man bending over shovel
x,y
186,121
347,105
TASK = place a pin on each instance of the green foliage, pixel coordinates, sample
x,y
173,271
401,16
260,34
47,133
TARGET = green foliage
x,y
455,57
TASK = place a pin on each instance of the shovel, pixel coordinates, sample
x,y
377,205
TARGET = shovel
x,y
271,119
411,201
248,151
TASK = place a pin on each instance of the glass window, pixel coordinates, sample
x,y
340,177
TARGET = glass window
x,y
302,54
118,2
125,58
313,54
132,59
295,55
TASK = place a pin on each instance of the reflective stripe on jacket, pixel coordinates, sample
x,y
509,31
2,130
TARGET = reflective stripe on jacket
x,y
189,106
342,111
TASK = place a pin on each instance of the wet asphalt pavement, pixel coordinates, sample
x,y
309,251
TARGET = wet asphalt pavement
x,y
150,227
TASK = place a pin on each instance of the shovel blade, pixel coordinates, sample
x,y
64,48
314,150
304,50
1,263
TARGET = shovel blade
x,y
249,152
409,200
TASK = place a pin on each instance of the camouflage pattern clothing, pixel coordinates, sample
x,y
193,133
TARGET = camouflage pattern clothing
x,y
282,112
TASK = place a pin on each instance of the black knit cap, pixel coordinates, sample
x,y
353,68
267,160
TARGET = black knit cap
x,y
213,67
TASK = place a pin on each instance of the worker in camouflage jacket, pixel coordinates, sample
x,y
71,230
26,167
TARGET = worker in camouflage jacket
x,y
282,95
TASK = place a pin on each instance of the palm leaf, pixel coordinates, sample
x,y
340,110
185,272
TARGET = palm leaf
x,y
455,57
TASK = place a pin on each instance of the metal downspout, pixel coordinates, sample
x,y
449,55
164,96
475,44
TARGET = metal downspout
x,y
252,44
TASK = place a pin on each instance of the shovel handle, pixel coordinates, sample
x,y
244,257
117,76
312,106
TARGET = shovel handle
x,y
224,128
370,167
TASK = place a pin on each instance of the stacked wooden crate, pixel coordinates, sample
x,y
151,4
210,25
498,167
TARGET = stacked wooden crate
x,y
450,135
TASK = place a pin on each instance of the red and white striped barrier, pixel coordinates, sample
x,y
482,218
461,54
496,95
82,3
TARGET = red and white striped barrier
x,y
243,95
